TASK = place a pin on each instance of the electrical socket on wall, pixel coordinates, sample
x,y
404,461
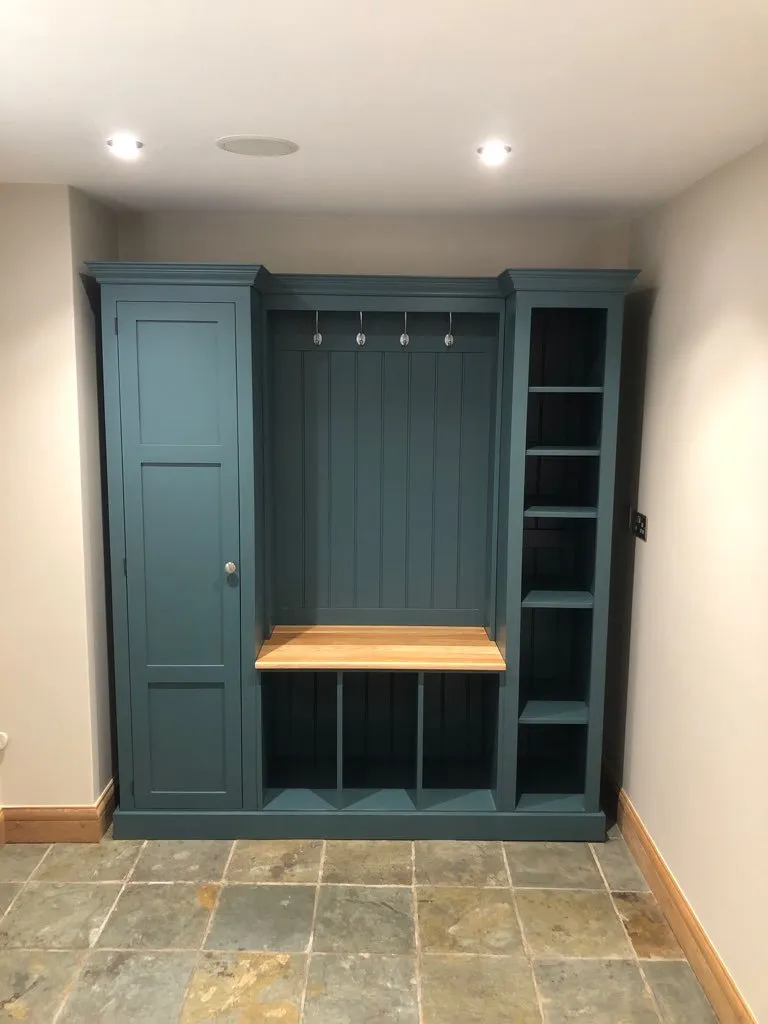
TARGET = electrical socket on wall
x,y
638,523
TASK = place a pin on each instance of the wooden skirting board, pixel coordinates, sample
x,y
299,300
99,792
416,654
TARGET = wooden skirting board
x,y
58,824
702,955
387,648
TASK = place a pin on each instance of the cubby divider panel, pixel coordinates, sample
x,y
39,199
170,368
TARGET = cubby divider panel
x,y
551,766
567,347
299,732
460,730
379,731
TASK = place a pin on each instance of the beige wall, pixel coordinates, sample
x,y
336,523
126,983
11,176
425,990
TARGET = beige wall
x,y
356,244
94,236
52,664
696,761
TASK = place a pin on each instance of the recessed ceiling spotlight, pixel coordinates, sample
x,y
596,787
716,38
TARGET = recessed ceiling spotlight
x,y
256,145
494,152
124,146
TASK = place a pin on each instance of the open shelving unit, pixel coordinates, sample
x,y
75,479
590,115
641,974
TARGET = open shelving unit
x,y
566,369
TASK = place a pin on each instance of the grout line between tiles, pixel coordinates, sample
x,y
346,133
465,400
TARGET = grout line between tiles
x,y
93,940
311,942
526,947
416,936
437,954
25,883
635,957
209,923
37,866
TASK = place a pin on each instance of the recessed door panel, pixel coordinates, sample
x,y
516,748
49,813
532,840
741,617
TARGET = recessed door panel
x,y
183,559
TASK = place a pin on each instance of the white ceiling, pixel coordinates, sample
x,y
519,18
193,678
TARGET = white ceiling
x,y
611,103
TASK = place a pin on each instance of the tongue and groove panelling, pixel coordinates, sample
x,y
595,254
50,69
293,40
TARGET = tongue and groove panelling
x,y
382,462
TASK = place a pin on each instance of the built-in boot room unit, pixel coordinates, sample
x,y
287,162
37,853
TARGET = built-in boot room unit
x,y
359,535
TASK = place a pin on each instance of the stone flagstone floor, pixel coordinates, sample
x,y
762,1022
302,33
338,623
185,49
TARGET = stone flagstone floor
x,y
312,932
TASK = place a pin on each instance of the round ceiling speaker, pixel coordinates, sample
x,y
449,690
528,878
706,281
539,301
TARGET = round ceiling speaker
x,y
256,145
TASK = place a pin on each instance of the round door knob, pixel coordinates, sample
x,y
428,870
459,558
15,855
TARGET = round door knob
x,y
230,568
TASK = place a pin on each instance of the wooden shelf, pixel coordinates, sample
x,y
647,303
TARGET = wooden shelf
x,y
553,803
555,389
564,451
389,648
554,712
560,512
558,599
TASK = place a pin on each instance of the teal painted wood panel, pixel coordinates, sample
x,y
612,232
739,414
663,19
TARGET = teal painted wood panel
x,y
382,469
181,487
560,819
395,427
342,490
369,483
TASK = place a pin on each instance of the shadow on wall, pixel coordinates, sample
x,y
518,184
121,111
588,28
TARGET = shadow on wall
x,y
637,319
93,292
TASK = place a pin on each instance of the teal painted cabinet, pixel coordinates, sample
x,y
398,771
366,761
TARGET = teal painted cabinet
x,y
411,453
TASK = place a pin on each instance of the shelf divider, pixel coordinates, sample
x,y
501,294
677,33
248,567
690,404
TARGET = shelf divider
x,y
339,737
554,712
552,803
420,740
547,389
567,450
560,512
558,599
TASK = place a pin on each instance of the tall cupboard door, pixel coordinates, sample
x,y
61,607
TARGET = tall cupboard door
x,y
178,406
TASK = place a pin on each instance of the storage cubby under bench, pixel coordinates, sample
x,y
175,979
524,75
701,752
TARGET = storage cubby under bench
x,y
359,535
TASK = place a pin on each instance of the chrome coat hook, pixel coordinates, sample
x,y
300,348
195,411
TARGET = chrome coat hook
x,y
404,339
317,338
449,335
360,339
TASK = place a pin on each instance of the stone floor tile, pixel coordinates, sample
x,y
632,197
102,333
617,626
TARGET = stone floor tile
x,y
460,863
276,860
618,864
647,927
274,918
182,860
560,923
116,987
57,915
160,917
88,862
368,862
357,919
19,860
598,991
478,990
553,866
33,983
468,921
361,990
7,891
232,988
678,993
